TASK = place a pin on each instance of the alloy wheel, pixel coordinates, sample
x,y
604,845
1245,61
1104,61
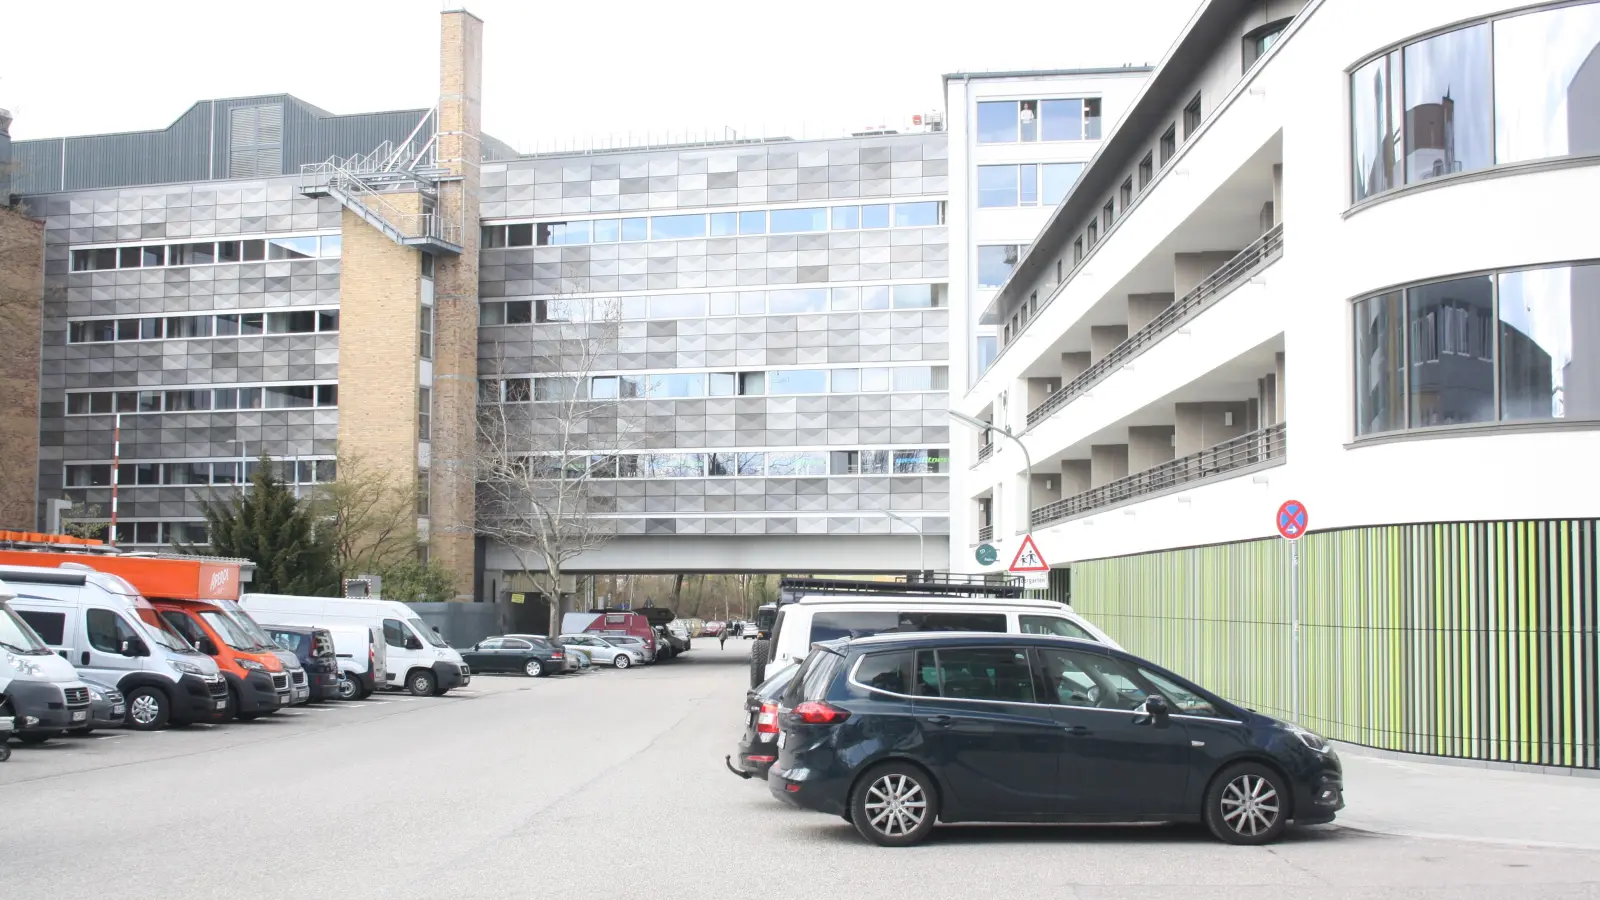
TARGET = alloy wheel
x,y
1250,804
896,805
144,709
533,668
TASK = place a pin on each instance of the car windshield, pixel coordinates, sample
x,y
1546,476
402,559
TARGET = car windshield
x,y
248,625
229,630
161,631
428,634
16,636
288,640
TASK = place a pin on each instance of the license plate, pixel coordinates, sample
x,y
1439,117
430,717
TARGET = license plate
x,y
781,736
118,710
222,704
80,715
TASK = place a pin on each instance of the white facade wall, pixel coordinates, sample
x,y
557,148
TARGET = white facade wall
x,y
1494,218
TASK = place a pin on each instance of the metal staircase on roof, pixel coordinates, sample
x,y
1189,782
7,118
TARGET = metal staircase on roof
x,y
360,183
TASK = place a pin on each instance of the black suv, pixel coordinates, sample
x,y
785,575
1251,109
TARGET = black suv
x,y
895,731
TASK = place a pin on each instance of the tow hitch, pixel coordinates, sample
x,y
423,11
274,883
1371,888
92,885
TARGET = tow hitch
x,y
728,761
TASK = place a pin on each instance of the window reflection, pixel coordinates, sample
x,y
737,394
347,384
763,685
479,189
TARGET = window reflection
x,y
1452,356
1550,343
1380,354
1448,113
1547,84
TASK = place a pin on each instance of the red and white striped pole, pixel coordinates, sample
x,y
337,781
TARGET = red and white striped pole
x,y
116,459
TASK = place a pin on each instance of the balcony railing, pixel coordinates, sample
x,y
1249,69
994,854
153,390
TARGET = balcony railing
x,y
1242,452
1245,263
986,451
986,532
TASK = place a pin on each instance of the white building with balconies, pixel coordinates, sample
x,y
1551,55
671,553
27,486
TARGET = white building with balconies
x,y
1333,253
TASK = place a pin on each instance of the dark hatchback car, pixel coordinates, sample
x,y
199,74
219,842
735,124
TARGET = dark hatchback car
x,y
525,654
894,732
758,749
314,648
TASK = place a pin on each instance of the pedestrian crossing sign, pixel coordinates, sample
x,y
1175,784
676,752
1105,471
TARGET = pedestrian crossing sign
x,y
1028,558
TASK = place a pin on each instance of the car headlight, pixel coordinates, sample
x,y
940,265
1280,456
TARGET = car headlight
x,y
188,668
23,666
94,694
251,665
1313,741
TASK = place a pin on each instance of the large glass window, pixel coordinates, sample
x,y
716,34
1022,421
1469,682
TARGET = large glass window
x,y
986,673
995,263
797,381
1371,127
1058,178
791,221
997,122
1550,343
803,300
1380,354
910,215
797,464
997,186
1449,118
1517,345
1547,83
677,227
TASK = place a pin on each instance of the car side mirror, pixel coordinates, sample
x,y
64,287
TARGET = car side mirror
x,y
412,643
134,647
1156,707
206,646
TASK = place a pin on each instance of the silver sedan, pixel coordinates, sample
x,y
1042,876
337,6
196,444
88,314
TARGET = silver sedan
x,y
603,652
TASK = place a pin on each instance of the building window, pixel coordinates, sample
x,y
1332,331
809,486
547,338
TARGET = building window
x,y
423,487
424,413
1027,121
1259,41
1093,234
208,253
1077,251
995,263
1127,194
1033,304
1108,215
425,332
1520,345
1019,185
1507,90
1169,145
1191,118
1147,171
987,351
1058,272
427,264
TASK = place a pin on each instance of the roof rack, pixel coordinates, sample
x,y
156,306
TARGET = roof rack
x,y
926,584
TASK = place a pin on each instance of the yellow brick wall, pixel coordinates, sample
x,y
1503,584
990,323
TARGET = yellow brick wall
x,y
21,323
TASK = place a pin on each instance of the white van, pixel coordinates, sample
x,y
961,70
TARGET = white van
x,y
101,625
47,697
417,659
812,610
362,660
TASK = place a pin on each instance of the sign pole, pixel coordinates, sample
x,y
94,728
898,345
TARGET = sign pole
x,y
1294,625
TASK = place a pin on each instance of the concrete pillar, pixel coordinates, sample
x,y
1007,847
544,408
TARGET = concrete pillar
x,y
1144,307
1075,477
1189,269
1073,365
1149,446
21,325
1277,194
1103,339
1107,463
1278,395
455,357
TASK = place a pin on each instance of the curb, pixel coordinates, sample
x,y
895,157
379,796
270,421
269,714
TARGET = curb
x,y
1471,839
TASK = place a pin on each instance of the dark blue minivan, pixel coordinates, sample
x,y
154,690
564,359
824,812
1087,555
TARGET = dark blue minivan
x,y
895,732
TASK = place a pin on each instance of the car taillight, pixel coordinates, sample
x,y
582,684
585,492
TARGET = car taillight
x,y
556,655
813,712
767,719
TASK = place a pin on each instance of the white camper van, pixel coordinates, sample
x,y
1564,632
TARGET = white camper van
x,y
418,660
47,698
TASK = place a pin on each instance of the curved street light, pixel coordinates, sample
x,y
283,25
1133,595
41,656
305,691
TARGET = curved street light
x,y
1027,460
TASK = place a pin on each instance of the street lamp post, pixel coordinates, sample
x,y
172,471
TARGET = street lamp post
x,y
922,560
1027,460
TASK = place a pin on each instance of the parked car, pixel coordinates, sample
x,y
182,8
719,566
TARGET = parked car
x,y
603,651
812,610
895,732
628,640
612,621
515,654
569,662
712,629
580,658
313,647
107,707
758,750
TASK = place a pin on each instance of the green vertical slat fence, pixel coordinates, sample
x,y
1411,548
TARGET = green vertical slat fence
x,y
1461,639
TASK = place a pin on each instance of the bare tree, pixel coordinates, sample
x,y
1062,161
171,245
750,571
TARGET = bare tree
x,y
368,517
546,435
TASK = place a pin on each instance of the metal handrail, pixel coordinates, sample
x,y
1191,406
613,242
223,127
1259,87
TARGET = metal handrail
x,y
1246,262
986,451
1257,447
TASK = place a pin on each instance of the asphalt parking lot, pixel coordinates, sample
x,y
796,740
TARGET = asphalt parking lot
x,y
616,779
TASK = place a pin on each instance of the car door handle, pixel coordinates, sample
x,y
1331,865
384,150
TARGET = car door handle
x,y
1076,730
86,657
937,720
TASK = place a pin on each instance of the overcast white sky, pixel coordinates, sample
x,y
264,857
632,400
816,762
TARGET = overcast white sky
x,y
555,72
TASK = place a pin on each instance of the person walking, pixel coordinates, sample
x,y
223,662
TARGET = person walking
x,y
722,637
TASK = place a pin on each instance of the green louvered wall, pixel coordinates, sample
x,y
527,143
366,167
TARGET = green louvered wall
x,y
1466,639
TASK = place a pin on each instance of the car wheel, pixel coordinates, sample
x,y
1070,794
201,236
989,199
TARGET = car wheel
x,y
533,668
5,752
894,805
1247,804
421,683
758,662
348,689
35,737
621,661
148,709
